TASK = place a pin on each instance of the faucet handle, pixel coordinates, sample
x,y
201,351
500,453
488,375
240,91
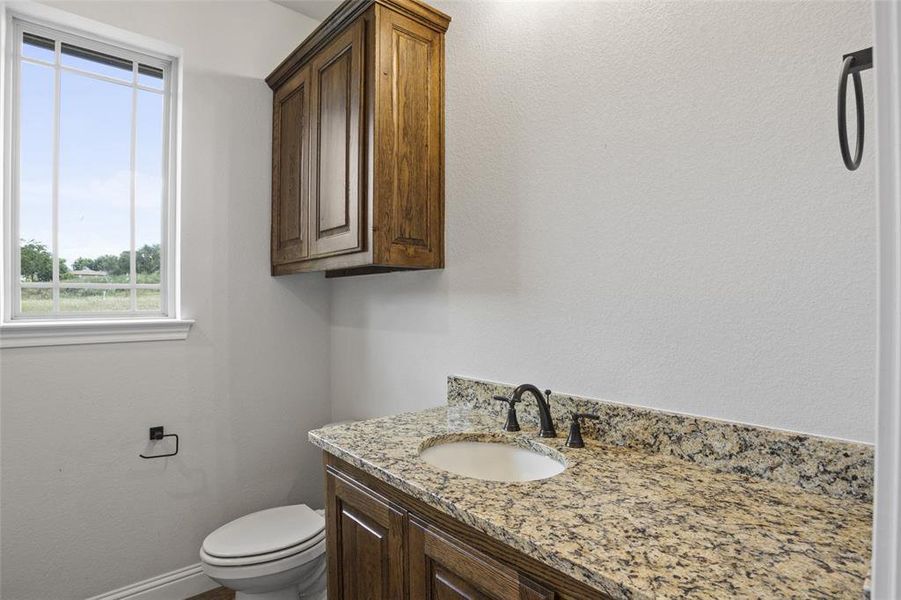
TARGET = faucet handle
x,y
512,423
510,401
575,429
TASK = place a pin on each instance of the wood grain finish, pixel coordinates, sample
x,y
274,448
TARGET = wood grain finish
x,y
375,190
449,559
409,211
442,567
219,593
335,178
347,12
290,170
365,539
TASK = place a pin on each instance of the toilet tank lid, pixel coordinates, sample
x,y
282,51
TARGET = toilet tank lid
x,y
266,531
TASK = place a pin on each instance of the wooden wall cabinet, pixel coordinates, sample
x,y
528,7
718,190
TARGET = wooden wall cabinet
x,y
383,544
358,143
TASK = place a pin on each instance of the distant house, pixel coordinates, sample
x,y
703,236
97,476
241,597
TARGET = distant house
x,y
88,273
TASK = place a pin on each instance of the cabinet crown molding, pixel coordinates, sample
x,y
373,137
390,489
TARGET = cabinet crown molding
x,y
340,18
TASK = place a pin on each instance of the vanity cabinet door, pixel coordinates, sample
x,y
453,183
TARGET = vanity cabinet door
x,y
291,169
365,537
336,168
443,568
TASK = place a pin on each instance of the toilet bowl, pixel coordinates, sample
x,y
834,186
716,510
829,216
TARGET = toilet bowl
x,y
273,554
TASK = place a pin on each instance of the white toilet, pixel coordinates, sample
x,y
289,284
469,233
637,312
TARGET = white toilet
x,y
274,554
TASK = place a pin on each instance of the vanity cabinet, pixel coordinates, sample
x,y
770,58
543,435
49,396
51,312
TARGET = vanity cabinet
x,y
385,544
442,568
365,542
358,143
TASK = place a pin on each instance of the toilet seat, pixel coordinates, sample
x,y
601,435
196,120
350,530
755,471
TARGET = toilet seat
x,y
308,558
265,532
255,559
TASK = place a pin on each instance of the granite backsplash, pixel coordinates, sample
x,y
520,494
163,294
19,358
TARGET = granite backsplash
x,y
836,468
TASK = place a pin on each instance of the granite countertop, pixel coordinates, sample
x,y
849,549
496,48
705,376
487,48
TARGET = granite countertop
x,y
628,522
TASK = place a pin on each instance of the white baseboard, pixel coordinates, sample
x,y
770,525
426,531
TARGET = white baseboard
x,y
174,585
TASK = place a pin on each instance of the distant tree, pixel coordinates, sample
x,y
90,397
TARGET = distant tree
x,y
123,264
147,259
37,262
108,263
83,263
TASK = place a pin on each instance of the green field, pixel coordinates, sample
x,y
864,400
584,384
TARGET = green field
x,y
40,301
38,265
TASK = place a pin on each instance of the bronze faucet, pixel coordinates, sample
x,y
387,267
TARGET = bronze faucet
x,y
544,409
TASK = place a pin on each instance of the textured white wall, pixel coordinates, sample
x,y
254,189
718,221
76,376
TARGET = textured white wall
x,y
81,513
646,204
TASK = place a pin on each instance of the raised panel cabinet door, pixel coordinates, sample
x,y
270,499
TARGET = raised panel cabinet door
x,y
290,169
443,568
409,211
366,550
336,104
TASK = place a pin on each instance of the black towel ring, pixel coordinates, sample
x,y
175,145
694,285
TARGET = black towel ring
x,y
852,164
156,434
853,64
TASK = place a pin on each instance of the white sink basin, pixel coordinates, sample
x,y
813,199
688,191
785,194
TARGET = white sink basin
x,y
491,460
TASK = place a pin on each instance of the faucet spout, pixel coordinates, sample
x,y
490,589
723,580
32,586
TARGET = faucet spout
x,y
544,408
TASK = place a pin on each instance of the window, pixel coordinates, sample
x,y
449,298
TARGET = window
x,y
90,200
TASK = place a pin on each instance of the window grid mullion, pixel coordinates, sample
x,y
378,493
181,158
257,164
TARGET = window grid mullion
x,y
15,244
133,276
168,154
97,76
77,285
57,79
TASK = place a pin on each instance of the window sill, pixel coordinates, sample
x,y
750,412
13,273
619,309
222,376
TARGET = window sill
x,y
69,333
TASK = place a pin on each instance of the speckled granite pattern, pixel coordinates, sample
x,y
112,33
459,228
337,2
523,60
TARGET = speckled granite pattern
x,y
834,467
630,523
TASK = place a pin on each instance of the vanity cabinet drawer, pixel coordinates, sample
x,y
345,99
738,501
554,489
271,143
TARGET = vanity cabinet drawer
x,y
366,542
444,568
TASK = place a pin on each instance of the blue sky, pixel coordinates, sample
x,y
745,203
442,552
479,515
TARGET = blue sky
x,y
94,174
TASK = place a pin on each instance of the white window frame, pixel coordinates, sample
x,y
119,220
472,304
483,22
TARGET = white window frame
x,y
18,330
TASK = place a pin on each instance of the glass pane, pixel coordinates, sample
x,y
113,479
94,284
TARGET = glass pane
x,y
91,270
95,177
39,48
36,172
37,301
149,300
96,62
148,186
150,77
89,300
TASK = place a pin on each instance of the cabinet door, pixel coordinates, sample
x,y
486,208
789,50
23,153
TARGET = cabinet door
x,y
442,568
365,542
409,206
336,177
290,169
